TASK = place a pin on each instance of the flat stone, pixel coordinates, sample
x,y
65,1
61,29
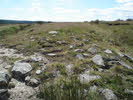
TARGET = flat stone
x,y
38,72
108,51
79,56
98,60
53,32
92,50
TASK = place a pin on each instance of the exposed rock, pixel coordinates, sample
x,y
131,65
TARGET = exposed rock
x,y
20,70
108,51
92,50
52,55
120,54
98,60
128,57
86,78
22,91
109,95
4,81
129,91
93,88
53,32
79,50
85,55
79,56
71,46
69,68
38,72
125,65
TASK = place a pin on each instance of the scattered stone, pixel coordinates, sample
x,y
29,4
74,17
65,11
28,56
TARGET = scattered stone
x,y
38,72
85,55
128,57
4,81
120,54
108,51
71,47
69,68
20,70
129,91
125,65
31,81
79,56
93,88
109,95
53,32
79,50
86,78
98,60
52,55
92,50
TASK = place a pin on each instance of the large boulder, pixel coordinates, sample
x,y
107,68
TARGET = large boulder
x,y
20,70
98,60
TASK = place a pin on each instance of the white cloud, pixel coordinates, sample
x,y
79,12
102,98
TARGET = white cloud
x,y
63,10
123,1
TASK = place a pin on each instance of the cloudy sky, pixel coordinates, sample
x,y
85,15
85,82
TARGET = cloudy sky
x,y
66,10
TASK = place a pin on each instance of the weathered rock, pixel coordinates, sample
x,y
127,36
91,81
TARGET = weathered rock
x,y
79,50
120,54
79,56
98,60
52,55
85,55
71,47
125,65
86,78
38,72
4,81
53,32
108,51
92,50
20,70
128,57
109,95
93,88
129,91
31,81
69,69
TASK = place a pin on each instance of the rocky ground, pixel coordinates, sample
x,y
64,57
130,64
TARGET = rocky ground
x,y
35,60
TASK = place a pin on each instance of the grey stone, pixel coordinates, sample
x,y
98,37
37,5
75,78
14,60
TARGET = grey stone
x,y
86,78
20,70
93,88
71,46
109,95
32,82
85,55
51,55
98,60
38,72
120,54
79,50
53,32
128,57
3,94
108,51
4,79
125,65
129,91
79,56
92,50
69,68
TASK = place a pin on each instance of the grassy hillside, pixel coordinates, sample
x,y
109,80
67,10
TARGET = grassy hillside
x,y
116,36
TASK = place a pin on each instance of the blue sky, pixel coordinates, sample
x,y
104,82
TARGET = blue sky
x,y
66,10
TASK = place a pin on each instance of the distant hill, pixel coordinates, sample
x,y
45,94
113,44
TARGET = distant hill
x,y
20,22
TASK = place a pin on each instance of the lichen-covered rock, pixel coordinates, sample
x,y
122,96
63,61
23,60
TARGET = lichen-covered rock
x,y
98,60
20,70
